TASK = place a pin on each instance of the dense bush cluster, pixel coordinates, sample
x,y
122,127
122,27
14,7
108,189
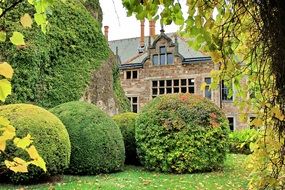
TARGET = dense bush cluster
x,y
49,137
126,122
55,67
240,141
97,144
181,133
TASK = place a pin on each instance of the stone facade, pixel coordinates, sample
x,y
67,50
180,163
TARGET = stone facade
x,y
143,81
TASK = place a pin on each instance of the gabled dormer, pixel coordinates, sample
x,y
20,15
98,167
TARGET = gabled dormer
x,y
162,51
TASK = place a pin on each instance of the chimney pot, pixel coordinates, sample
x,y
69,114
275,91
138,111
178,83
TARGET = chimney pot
x,y
106,32
152,28
142,34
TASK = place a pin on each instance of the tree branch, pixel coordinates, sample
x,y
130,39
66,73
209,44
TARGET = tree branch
x,y
11,7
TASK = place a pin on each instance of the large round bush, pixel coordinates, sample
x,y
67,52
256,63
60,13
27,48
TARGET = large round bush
x,y
49,137
181,133
97,144
126,122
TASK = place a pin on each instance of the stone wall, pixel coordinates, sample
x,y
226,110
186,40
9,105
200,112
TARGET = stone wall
x,y
101,90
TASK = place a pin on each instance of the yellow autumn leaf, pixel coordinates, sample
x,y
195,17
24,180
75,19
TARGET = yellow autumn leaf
x,y
37,160
277,113
40,163
9,132
18,165
32,151
4,121
26,21
6,70
17,39
24,142
203,86
5,89
257,122
2,144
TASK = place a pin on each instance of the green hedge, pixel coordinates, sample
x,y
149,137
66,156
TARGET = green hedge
x,y
49,137
126,122
97,144
240,140
181,133
55,67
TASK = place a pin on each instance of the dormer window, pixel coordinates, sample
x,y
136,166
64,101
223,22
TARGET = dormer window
x,y
163,58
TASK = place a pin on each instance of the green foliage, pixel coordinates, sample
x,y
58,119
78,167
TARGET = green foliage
x,y
241,140
181,133
124,103
126,122
61,61
49,137
97,142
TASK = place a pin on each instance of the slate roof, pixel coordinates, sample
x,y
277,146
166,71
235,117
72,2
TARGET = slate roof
x,y
130,57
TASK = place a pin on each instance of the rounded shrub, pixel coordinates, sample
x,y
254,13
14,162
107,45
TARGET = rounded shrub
x,y
49,137
126,122
97,144
181,133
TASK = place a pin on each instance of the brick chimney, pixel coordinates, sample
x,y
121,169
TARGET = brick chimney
x,y
106,31
152,28
142,34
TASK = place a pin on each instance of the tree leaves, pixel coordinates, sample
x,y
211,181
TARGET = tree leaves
x,y
6,70
2,36
17,39
26,21
5,89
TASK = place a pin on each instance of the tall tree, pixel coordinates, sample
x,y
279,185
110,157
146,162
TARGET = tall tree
x,y
247,39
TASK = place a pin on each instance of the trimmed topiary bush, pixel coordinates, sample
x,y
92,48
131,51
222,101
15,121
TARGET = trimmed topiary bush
x,y
97,144
240,140
181,133
49,137
126,122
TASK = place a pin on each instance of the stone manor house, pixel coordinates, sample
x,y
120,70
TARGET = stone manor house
x,y
164,64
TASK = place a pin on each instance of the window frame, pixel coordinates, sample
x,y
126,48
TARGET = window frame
x,y
234,123
171,86
161,54
131,74
225,98
208,86
131,98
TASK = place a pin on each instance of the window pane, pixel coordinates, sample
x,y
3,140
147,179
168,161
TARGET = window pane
x,y
191,82
135,108
231,123
154,83
161,91
162,59
154,91
161,83
175,90
135,74
168,90
135,100
191,90
155,59
208,93
168,82
170,58
129,74
183,82
183,89
162,49
176,82
208,80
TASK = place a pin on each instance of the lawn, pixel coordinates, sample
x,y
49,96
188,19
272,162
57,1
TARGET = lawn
x,y
234,176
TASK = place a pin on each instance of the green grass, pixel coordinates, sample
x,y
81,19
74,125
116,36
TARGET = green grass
x,y
234,176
